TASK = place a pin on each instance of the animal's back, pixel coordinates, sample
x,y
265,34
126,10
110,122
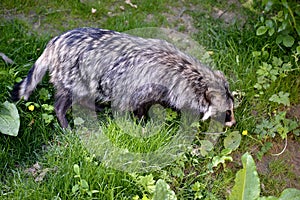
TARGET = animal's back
x,y
91,61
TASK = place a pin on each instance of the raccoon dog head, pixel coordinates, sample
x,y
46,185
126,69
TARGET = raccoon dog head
x,y
220,99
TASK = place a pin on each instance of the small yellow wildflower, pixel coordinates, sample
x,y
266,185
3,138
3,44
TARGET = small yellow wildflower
x,y
31,107
245,132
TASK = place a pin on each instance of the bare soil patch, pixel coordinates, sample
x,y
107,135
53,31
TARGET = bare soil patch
x,y
290,158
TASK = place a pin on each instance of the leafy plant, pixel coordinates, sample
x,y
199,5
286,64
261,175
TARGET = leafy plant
x,y
81,187
163,191
231,142
158,190
284,24
277,124
281,98
198,189
266,146
247,184
268,73
147,183
48,113
9,119
214,156
44,94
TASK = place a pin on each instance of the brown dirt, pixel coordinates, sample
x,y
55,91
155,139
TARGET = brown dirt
x,y
293,112
290,158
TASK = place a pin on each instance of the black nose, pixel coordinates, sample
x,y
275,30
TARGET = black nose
x,y
229,119
228,116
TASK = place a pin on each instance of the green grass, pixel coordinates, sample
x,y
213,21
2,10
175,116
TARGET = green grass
x,y
232,45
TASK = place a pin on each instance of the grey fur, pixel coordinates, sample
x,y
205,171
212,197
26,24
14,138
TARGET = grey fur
x,y
131,72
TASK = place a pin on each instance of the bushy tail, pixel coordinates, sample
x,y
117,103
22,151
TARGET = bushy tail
x,y
28,84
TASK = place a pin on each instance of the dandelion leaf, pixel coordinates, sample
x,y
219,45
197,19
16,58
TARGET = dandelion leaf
x,y
247,185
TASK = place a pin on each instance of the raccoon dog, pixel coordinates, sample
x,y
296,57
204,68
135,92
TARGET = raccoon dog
x,y
130,72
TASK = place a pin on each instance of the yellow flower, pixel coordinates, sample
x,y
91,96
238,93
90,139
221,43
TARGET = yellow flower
x,y
31,107
245,132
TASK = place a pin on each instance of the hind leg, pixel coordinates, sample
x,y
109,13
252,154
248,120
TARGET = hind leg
x,y
63,102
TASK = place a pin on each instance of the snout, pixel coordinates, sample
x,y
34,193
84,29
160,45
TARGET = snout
x,y
230,120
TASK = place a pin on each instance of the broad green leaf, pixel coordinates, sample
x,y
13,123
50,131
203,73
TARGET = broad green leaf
x,y
247,184
220,160
48,107
284,3
163,191
268,4
75,188
76,169
9,119
280,16
290,194
262,19
279,39
261,72
258,86
261,30
18,79
298,49
281,98
233,140
84,184
226,151
288,41
206,146
283,26
271,31
269,23
47,118
277,61
258,53
265,54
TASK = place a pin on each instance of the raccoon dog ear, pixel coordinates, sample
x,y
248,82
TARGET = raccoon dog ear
x,y
221,76
209,95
